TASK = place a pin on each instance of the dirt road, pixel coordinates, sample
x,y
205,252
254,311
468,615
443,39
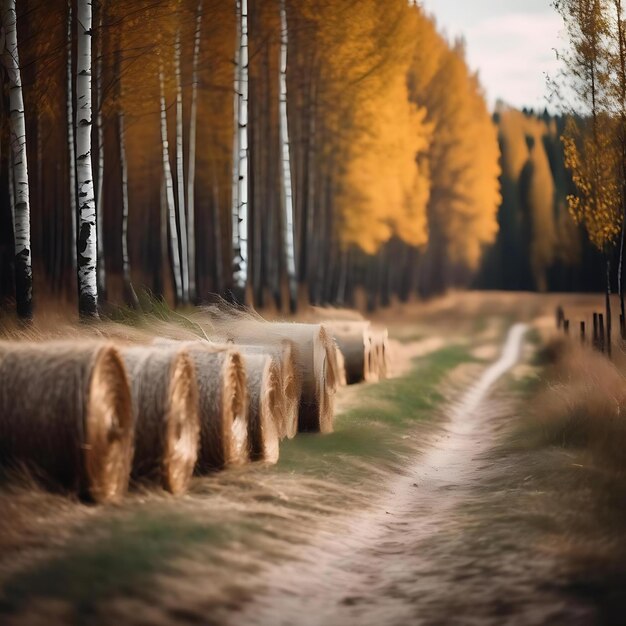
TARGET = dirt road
x,y
425,553
415,511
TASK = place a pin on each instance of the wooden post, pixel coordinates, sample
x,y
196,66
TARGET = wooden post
x,y
560,316
582,332
601,331
566,326
595,343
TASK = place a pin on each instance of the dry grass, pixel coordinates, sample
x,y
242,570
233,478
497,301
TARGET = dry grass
x,y
568,469
582,407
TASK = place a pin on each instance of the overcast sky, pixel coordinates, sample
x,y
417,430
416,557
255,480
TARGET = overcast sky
x,y
510,43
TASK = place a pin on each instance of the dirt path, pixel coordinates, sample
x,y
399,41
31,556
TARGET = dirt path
x,y
401,561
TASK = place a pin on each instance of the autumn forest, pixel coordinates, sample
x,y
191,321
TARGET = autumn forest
x,y
277,152
365,154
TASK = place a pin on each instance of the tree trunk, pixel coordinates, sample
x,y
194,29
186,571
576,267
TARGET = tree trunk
x,y
191,172
343,277
286,184
87,237
21,192
130,296
100,135
622,92
217,236
129,292
235,170
12,192
313,189
180,172
70,132
240,219
169,195
608,306
620,281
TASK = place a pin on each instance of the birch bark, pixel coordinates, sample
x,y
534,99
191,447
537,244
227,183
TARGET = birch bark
x,y
286,185
86,233
169,195
129,292
240,218
100,135
191,172
235,173
19,162
180,172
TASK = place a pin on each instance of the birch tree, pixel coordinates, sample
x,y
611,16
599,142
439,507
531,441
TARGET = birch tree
x,y
240,216
87,234
617,94
191,174
129,292
19,163
180,171
590,150
235,158
100,135
169,193
286,184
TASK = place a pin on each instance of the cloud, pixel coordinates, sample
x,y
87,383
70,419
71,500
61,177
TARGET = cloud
x,y
513,51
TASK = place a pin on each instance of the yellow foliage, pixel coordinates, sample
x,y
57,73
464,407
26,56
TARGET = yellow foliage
x,y
378,137
384,191
464,155
593,159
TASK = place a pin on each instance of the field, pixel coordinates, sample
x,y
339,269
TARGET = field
x,y
449,490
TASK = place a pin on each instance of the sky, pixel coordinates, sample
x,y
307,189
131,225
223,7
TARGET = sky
x,y
510,42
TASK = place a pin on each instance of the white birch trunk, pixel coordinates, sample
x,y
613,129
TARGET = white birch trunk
x,y
130,296
100,134
241,251
70,132
164,216
235,177
124,171
21,192
287,188
191,172
169,195
87,243
180,171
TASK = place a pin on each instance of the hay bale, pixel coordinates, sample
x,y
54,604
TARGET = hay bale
x,y
223,407
66,413
354,341
316,365
167,424
286,411
264,403
223,403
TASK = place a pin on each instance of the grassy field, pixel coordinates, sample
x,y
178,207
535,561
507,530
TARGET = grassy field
x,y
143,560
230,524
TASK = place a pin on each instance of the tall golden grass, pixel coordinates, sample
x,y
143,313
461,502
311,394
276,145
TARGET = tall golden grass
x,y
583,405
